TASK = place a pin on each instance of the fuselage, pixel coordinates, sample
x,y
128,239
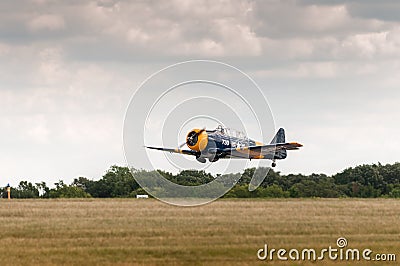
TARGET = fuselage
x,y
227,143
210,143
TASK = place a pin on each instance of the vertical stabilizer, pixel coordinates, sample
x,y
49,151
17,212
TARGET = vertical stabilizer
x,y
279,138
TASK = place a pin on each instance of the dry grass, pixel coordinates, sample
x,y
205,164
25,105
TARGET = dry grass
x,y
146,231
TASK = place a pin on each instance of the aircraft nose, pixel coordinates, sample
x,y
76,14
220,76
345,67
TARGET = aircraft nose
x,y
192,138
197,139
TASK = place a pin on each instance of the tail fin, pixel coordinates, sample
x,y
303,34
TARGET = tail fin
x,y
279,138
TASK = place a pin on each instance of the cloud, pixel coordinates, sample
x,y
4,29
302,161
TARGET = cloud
x,y
52,69
4,49
46,22
387,10
141,30
283,20
374,45
68,68
305,70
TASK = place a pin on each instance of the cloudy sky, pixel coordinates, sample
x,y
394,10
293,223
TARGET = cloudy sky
x,y
330,71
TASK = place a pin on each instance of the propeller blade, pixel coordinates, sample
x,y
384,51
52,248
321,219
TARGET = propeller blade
x,y
183,144
195,135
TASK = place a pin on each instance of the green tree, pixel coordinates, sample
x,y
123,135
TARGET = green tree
x,y
26,190
395,193
273,191
192,178
239,191
117,182
64,191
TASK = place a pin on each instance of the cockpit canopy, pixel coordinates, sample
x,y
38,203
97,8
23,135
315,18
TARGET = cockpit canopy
x,y
230,132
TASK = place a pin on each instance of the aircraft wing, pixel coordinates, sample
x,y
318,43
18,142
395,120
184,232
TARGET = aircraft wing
x,y
187,152
263,150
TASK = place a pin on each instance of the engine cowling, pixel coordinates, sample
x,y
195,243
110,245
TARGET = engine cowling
x,y
197,139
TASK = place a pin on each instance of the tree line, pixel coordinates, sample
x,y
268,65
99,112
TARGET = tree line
x,y
364,181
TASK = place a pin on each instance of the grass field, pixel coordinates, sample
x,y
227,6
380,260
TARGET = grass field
x,y
225,232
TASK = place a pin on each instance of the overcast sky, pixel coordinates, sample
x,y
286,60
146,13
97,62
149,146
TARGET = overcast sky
x,y
330,71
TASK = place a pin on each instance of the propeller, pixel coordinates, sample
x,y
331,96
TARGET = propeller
x,y
180,146
192,137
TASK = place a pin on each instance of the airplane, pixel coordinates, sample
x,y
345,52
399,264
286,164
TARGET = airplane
x,y
225,143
